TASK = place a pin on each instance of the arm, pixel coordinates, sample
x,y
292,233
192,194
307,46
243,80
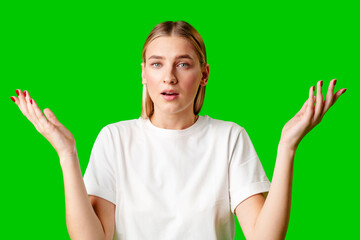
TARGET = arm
x,y
86,218
105,211
269,219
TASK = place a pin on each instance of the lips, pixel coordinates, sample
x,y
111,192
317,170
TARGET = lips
x,y
169,97
169,92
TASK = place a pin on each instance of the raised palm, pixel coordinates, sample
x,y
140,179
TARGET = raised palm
x,y
309,115
58,135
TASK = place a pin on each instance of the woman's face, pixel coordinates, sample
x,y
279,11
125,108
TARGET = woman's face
x,y
172,64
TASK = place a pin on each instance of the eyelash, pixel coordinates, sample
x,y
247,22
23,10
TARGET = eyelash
x,y
187,65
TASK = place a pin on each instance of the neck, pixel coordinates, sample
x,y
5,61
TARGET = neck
x,y
173,121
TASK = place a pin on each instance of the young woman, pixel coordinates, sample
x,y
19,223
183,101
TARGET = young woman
x,y
173,174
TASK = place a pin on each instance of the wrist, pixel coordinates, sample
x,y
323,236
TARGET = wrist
x,y
66,158
287,147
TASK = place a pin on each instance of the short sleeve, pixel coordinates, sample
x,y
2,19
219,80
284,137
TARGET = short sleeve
x,y
246,174
99,177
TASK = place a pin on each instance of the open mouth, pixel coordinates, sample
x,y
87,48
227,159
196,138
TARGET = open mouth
x,y
169,94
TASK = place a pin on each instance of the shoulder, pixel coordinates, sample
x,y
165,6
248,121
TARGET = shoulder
x,y
224,125
113,131
121,126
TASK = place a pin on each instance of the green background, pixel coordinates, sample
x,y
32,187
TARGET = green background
x,y
82,60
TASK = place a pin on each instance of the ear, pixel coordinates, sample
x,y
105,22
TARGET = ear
x,y
143,73
205,75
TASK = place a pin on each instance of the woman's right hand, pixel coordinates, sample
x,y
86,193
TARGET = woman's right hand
x,y
58,136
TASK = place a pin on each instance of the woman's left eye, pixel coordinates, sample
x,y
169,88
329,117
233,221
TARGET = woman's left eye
x,y
183,64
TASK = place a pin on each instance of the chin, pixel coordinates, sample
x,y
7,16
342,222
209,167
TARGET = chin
x,y
169,109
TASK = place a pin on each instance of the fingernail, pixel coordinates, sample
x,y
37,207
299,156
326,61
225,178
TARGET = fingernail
x,y
334,82
344,90
25,93
13,99
321,83
31,101
17,92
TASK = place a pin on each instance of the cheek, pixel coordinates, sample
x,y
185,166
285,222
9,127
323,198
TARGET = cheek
x,y
152,84
191,82
151,78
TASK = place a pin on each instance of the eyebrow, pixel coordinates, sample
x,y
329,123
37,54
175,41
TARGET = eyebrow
x,y
177,57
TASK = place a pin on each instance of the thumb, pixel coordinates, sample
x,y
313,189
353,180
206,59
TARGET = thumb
x,y
51,117
303,108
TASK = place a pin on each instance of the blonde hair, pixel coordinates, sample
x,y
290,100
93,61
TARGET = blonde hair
x,y
178,29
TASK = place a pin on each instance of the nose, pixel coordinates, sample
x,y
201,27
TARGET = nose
x,y
170,77
171,81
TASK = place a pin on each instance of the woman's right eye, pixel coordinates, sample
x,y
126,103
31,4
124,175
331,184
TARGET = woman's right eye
x,y
156,65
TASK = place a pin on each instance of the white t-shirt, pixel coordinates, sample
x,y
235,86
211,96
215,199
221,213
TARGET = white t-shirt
x,y
174,184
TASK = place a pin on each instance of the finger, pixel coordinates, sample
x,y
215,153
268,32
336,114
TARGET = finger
x,y
31,112
15,100
21,98
23,105
42,119
338,94
51,117
329,96
310,106
303,108
319,102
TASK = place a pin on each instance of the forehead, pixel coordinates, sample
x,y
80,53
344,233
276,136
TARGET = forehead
x,y
170,47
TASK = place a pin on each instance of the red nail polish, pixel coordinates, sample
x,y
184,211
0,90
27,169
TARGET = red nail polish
x,y
13,99
334,82
321,83
17,92
31,101
344,90
25,93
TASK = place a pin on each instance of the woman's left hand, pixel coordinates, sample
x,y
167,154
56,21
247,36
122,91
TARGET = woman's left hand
x,y
309,115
